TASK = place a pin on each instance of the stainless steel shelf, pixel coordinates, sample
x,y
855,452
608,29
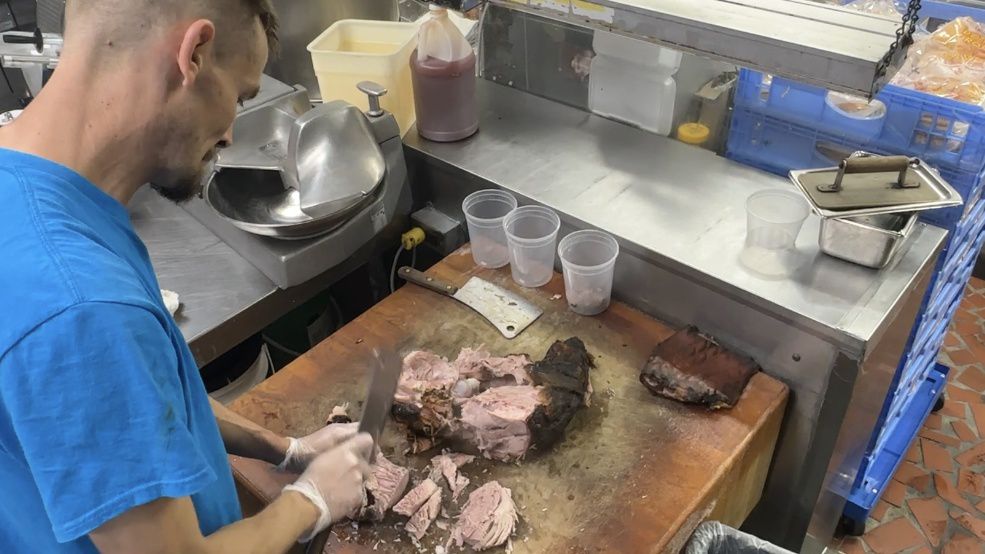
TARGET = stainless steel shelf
x,y
811,42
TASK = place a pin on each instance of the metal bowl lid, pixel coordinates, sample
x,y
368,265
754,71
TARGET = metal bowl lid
x,y
337,162
866,184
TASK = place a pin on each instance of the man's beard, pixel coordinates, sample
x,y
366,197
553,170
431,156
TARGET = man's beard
x,y
182,190
181,187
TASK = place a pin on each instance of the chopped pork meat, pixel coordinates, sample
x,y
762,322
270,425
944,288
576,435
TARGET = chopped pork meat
x,y
504,420
418,523
423,371
339,414
496,420
412,502
488,518
478,364
448,465
384,486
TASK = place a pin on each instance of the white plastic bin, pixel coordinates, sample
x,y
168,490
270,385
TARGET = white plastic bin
x,y
354,50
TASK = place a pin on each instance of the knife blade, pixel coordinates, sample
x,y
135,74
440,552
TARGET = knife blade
x,y
379,398
510,313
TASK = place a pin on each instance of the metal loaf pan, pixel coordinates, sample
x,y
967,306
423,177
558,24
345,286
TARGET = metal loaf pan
x,y
868,240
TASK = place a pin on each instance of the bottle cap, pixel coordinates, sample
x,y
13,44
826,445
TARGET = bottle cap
x,y
693,133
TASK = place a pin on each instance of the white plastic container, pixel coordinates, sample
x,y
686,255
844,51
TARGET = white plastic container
x,y
773,221
633,81
531,232
588,259
484,212
354,50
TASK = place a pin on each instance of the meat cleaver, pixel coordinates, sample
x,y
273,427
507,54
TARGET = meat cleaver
x,y
508,312
382,386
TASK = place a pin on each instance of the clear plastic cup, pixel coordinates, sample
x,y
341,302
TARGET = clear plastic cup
x,y
531,232
774,219
485,211
588,259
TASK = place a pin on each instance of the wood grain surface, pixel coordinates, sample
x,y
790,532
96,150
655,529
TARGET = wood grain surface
x,y
635,473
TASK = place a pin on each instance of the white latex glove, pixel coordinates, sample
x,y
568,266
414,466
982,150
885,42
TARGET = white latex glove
x,y
302,451
334,482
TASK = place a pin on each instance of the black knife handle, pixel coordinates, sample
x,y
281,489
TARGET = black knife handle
x,y
412,275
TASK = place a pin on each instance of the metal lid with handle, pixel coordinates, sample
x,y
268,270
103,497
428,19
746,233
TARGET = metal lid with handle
x,y
865,184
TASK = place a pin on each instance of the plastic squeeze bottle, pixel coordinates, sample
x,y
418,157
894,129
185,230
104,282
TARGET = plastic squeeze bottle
x,y
442,70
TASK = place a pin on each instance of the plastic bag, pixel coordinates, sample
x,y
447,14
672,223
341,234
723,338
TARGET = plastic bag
x,y
887,8
950,62
439,38
712,537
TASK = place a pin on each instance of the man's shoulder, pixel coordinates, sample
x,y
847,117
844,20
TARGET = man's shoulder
x,y
51,260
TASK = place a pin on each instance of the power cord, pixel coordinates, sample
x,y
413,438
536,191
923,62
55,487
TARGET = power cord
x,y
408,241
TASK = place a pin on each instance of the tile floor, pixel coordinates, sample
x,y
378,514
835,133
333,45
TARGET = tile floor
x,y
936,501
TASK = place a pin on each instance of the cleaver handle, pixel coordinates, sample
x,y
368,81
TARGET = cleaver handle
x,y
412,275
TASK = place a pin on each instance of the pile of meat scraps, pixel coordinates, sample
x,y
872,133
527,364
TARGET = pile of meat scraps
x,y
487,520
503,406
691,367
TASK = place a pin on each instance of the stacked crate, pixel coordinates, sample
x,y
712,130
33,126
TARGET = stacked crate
x,y
779,125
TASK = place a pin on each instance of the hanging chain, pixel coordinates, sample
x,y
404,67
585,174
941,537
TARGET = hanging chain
x,y
904,37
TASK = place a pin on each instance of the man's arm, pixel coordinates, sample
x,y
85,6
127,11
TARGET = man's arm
x,y
329,490
244,438
169,525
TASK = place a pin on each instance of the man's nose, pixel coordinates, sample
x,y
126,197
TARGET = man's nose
x,y
227,138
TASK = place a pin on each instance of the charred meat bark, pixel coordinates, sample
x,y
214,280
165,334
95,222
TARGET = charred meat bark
x,y
488,518
693,368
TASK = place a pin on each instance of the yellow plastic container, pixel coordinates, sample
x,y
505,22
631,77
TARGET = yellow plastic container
x,y
354,50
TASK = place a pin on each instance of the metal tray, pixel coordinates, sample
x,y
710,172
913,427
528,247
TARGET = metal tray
x,y
875,190
869,240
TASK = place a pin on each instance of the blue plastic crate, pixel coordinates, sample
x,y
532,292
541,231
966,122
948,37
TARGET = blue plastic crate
x,y
944,132
882,463
947,11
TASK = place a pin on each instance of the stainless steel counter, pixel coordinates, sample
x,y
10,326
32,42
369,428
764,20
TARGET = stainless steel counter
x,y
224,299
833,331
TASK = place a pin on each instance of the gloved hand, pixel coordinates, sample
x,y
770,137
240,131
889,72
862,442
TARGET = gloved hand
x,y
302,451
334,482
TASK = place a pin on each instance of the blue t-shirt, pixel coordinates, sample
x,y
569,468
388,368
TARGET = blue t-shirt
x,y
102,407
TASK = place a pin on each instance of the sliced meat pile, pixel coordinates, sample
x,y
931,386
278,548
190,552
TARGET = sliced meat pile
x,y
386,482
693,368
384,486
488,519
501,406
423,503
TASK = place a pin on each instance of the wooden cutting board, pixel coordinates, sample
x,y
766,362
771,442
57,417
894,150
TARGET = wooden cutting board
x,y
635,473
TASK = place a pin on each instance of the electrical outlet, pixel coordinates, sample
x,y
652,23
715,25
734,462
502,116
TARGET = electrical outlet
x,y
443,232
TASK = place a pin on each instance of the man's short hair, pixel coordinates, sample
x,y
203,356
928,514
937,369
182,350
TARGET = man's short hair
x,y
126,21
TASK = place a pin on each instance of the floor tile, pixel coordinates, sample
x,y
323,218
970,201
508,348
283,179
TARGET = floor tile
x,y
894,537
972,457
972,377
961,394
935,456
961,356
963,431
978,411
933,422
971,482
954,409
940,438
931,516
949,493
962,543
973,524
894,493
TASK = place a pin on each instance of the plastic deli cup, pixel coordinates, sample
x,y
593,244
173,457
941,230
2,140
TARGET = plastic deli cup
x,y
774,219
484,212
531,232
588,259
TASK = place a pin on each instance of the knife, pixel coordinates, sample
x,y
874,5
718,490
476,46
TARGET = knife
x,y
508,312
382,386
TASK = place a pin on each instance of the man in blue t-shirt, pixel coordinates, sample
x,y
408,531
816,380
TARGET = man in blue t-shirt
x,y
108,440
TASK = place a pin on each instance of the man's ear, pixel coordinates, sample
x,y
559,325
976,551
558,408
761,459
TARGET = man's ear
x,y
196,46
